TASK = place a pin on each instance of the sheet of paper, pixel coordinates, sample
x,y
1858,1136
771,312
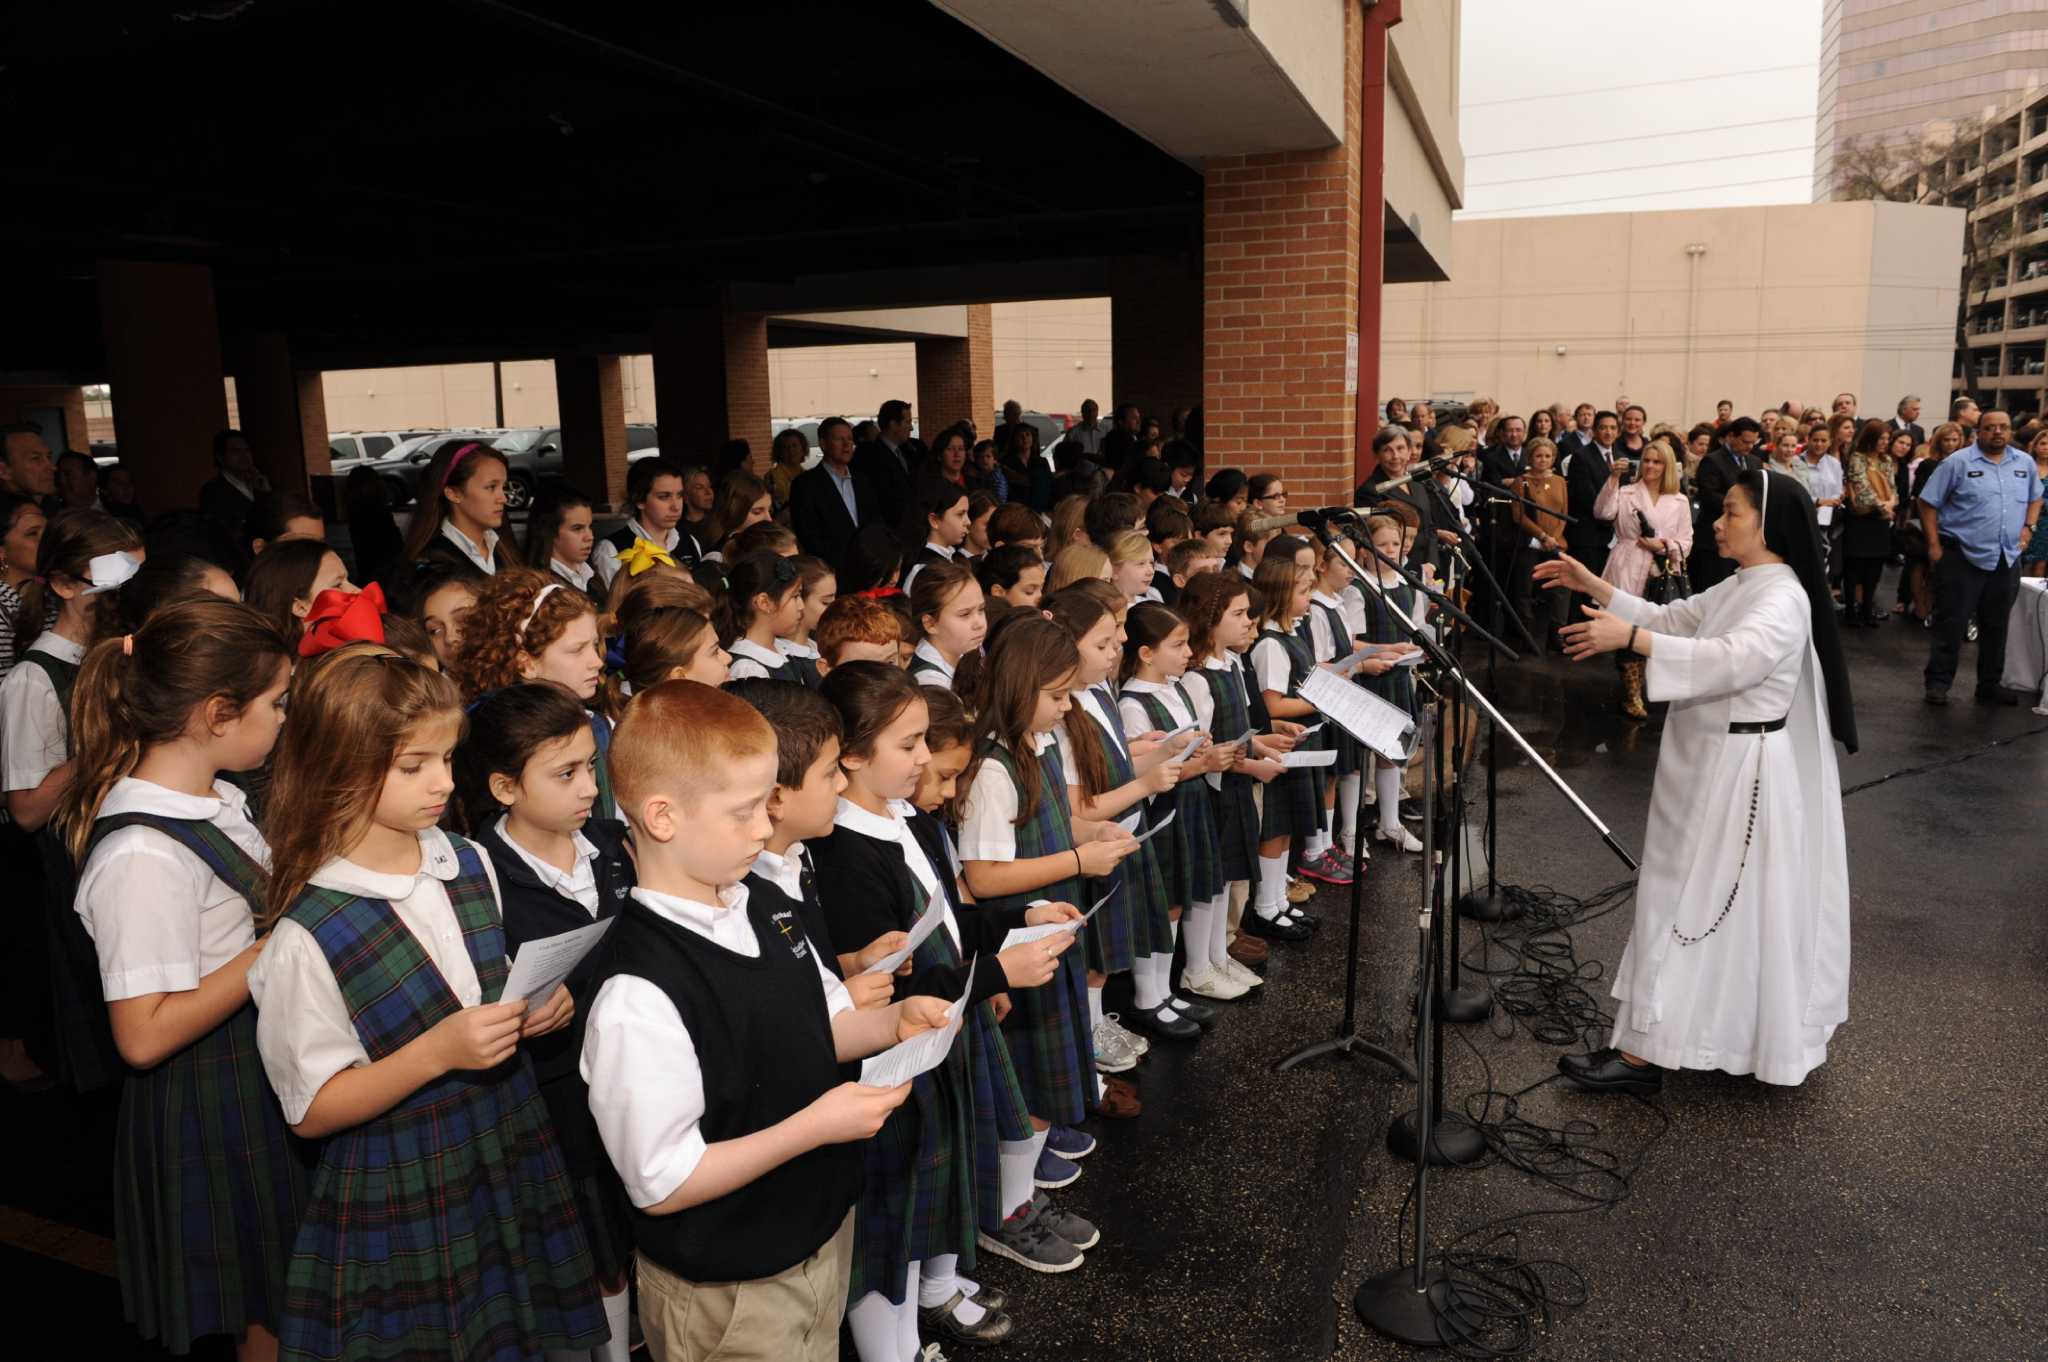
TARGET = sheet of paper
x,y
1018,936
1347,665
1385,728
1414,659
540,966
1310,731
1171,734
1157,828
923,1052
1298,760
934,913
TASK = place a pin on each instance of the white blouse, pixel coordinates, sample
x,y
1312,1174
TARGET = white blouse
x,y
1271,664
303,1029
1090,701
751,661
484,556
159,918
35,733
988,816
579,884
932,659
646,1083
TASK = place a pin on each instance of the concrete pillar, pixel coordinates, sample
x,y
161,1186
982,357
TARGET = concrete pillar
x,y
711,383
1280,299
161,338
283,411
592,403
956,379
1155,335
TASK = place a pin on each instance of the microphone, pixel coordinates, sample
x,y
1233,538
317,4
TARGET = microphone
x,y
1312,519
1422,469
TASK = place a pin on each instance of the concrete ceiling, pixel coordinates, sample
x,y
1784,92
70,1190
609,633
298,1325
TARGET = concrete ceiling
x,y
1196,78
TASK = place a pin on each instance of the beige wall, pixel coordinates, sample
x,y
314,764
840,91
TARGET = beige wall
x,y
1798,302
1036,347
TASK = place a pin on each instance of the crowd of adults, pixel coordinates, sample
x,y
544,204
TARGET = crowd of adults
x,y
1953,507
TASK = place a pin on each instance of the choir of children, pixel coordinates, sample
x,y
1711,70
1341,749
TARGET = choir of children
x,y
340,1136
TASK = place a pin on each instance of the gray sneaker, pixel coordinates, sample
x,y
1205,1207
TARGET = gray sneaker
x,y
1136,1043
1080,1233
1113,1054
1026,1238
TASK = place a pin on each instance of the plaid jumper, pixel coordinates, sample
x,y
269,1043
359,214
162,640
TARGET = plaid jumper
x,y
209,1183
1145,899
1237,816
1190,860
1294,806
444,1228
1051,1040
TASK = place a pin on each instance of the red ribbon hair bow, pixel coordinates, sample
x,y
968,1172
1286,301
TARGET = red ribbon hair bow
x,y
340,617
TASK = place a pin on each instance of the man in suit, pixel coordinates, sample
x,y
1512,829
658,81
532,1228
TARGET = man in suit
x,y
230,495
1584,475
885,461
1717,473
1908,419
829,503
1503,459
1578,436
1120,446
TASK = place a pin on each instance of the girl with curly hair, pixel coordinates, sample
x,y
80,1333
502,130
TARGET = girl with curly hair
x,y
530,626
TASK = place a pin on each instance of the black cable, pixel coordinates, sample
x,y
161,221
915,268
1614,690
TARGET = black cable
x,y
1945,761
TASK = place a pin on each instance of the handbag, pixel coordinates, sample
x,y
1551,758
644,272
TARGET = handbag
x,y
1667,581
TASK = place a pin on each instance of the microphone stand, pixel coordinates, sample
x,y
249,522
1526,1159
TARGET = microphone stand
x,y
1463,1003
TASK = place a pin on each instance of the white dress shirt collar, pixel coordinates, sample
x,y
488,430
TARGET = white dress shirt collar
x,y
579,884
579,573
746,647
929,654
437,859
484,556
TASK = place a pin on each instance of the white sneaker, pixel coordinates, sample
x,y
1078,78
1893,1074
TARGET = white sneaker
x,y
1242,973
1210,983
1132,1041
1401,839
1112,1055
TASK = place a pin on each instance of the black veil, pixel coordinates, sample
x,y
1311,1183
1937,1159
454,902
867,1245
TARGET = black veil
x,y
1792,531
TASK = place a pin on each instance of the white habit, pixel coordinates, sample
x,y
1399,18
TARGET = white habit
x,y
1766,989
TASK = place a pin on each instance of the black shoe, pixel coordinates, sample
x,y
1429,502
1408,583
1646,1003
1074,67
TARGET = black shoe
x,y
993,1327
1255,925
1607,1071
1201,1014
1935,697
1164,1024
1997,697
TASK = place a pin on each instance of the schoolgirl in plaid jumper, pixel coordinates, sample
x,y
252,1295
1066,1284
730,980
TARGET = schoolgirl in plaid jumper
x,y
1396,686
1017,848
440,1222
1280,662
208,1182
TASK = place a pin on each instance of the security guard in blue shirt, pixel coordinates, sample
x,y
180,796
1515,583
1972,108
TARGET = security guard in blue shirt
x,y
1978,512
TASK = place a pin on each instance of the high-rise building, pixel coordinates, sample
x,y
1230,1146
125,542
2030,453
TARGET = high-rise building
x,y
1889,68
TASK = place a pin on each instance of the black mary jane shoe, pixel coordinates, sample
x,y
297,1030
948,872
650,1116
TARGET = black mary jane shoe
x,y
993,1327
1606,1071
1164,1024
1201,1014
1271,929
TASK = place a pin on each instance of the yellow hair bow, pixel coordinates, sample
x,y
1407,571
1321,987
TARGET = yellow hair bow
x,y
644,555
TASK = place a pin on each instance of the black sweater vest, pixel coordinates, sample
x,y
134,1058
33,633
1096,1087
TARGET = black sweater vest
x,y
764,1044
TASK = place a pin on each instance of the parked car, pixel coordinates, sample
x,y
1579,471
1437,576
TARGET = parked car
x,y
534,458
350,450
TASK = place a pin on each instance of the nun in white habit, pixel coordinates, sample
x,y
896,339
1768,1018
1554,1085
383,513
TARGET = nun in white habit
x,y
1739,958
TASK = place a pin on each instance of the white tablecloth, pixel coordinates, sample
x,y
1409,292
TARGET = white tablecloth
x,y
2026,642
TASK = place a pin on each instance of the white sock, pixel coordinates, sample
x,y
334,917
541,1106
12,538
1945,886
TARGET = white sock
x,y
937,1282
1272,886
1015,1162
1318,843
1197,936
618,1314
1370,795
1387,781
1095,1007
1219,927
906,1315
876,1336
1162,975
1347,812
1145,983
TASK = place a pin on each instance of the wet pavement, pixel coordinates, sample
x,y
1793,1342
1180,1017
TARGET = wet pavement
x,y
1890,1208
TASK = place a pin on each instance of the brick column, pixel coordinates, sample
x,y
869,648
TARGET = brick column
x,y
1155,335
161,338
593,411
283,411
711,383
1280,298
956,379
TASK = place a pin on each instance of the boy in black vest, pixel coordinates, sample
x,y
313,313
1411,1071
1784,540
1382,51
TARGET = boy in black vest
x,y
712,1046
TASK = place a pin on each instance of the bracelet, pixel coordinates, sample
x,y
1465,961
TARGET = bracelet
x,y
1077,864
1633,630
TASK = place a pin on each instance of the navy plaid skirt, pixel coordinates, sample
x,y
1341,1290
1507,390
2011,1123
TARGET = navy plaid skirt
x,y
1294,806
917,1198
209,1185
1000,1112
1237,826
1188,850
1052,1044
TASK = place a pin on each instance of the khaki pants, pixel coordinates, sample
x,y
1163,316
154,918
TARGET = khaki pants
x,y
790,1317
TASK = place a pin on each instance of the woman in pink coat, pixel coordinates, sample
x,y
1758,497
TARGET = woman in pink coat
x,y
1652,536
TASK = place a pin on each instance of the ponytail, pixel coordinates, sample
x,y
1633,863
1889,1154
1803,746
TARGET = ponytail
x,y
140,690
